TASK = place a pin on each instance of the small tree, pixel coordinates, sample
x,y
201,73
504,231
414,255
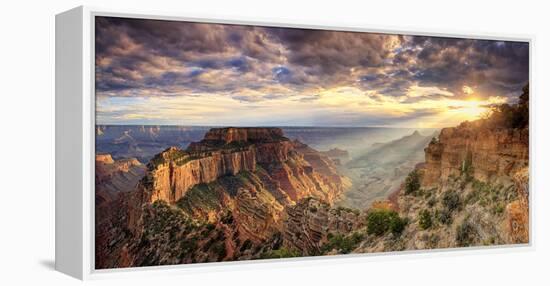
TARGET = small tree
x,y
412,183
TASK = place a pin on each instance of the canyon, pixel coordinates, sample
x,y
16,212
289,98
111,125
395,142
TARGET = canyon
x,y
235,182
252,193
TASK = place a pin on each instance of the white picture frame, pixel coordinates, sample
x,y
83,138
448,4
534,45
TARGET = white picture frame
x,y
75,141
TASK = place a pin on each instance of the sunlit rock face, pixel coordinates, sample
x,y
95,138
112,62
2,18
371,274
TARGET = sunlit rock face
x,y
298,170
494,161
252,134
488,153
517,212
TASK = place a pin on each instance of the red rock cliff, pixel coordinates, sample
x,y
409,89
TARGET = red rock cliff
x,y
228,151
489,153
250,134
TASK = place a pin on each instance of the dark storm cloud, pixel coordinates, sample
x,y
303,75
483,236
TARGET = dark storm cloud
x,y
136,57
330,52
494,67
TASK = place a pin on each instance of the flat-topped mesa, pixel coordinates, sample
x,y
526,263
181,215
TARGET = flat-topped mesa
x,y
222,152
244,134
295,171
235,138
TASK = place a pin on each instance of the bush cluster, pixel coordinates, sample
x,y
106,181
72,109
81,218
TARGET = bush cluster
x,y
380,222
451,200
281,253
425,219
344,244
465,234
412,183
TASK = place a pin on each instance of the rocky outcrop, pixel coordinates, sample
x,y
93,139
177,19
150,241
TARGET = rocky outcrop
x,y
299,172
336,153
308,224
517,212
113,177
179,171
471,147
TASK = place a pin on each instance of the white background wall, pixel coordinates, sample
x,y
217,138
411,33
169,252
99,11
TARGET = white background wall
x,y
27,141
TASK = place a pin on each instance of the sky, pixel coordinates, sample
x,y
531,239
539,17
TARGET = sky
x,y
182,73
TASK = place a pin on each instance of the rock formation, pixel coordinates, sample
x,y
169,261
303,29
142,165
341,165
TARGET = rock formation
x,y
113,177
298,170
517,212
235,183
489,153
308,224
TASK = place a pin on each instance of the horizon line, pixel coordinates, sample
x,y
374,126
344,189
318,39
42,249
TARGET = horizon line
x,y
267,126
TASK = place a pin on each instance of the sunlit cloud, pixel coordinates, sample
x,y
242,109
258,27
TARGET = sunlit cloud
x,y
467,90
167,72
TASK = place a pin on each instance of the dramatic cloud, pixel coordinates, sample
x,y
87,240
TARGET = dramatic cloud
x,y
169,72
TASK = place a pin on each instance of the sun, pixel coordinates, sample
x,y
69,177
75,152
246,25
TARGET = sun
x,y
467,109
474,111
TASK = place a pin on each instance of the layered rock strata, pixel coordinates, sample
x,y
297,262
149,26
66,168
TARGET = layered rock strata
x,y
488,153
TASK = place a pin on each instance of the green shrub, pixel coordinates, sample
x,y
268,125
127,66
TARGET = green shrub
x,y
431,202
187,246
425,220
247,244
465,234
467,170
498,208
444,216
281,253
451,200
381,221
219,250
344,244
412,183
397,225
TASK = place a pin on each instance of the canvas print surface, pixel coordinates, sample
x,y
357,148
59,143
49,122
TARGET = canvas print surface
x,y
219,142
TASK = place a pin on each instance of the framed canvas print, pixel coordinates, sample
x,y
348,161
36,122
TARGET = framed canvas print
x,y
187,141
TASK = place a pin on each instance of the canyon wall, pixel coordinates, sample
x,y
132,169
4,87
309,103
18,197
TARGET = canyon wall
x,y
298,171
470,147
489,158
171,179
235,184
